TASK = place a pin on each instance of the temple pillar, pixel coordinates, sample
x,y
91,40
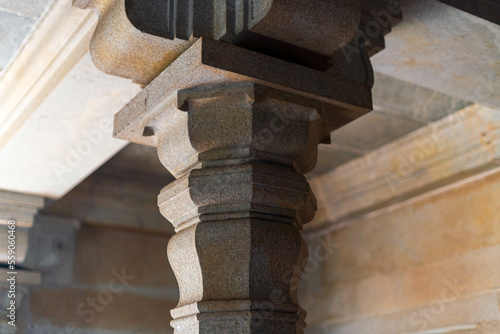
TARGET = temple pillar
x,y
237,96
238,206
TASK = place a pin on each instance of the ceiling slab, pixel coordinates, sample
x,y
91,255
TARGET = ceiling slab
x,y
486,9
445,49
69,135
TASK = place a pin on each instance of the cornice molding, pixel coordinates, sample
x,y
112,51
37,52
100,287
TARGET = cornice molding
x,y
459,146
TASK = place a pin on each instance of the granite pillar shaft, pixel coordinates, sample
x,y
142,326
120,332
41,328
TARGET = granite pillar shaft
x,y
238,206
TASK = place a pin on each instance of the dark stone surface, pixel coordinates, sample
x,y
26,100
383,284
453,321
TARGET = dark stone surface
x,y
485,9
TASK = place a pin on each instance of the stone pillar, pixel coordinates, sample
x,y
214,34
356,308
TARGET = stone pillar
x,y
238,206
239,148
32,246
243,93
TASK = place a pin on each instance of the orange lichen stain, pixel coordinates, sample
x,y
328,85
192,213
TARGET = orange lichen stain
x,y
460,77
414,62
411,62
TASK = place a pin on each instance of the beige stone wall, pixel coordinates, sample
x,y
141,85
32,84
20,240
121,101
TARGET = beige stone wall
x,y
121,284
427,265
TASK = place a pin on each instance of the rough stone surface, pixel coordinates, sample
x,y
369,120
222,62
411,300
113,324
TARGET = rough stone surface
x,y
237,127
239,202
319,26
118,48
127,41
184,19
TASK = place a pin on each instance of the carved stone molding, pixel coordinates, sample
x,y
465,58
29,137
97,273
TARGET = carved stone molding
x,y
208,62
120,49
187,18
239,148
238,129
434,157
139,39
56,45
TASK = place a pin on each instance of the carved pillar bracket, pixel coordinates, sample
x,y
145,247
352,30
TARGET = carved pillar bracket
x,y
138,39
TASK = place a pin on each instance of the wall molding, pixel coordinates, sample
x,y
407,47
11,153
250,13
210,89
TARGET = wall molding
x,y
462,145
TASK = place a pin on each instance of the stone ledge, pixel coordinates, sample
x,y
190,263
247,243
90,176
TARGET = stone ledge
x,y
463,144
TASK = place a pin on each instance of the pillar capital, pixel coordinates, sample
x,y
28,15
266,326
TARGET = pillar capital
x,y
236,123
223,71
239,151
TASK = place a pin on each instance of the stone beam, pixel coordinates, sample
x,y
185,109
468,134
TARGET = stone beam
x,y
243,93
56,107
457,147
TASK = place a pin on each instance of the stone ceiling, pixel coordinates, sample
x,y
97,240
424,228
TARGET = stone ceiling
x,y
416,84
17,20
